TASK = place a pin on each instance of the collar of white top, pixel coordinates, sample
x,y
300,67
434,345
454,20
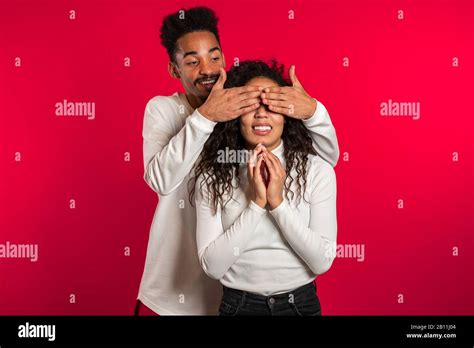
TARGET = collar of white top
x,y
279,151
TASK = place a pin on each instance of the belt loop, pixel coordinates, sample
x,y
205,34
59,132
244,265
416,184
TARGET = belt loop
x,y
243,298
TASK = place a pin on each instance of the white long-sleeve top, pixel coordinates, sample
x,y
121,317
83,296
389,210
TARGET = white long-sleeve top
x,y
173,282
267,251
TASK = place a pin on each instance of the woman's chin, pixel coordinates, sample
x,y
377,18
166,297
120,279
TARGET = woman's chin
x,y
265,141
252,144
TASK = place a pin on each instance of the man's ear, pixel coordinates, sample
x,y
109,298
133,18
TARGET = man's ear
x,y
223,60
173,70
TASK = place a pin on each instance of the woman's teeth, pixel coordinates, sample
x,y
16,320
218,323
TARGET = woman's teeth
x,y
262,128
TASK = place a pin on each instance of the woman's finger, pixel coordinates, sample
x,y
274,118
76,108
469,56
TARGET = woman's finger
x,y
258,178
277,164
275,159
271,165
250,168
253,158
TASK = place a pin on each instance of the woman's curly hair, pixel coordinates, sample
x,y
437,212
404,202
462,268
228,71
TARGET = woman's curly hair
x,y
219,177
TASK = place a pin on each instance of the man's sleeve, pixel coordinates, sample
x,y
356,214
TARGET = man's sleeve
x,y
324,135
169,153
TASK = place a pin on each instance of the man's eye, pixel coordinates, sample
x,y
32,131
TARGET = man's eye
x,y
215,59
191,63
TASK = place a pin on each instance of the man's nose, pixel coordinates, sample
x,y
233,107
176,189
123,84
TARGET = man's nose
x,y
205,68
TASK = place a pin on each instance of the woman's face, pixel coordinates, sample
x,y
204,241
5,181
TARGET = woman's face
x,y
261,125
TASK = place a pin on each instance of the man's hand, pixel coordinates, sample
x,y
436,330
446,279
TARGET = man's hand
x,y
290,101
227,104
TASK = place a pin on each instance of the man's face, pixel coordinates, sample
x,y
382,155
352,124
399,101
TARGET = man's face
x,y
198,60
261,125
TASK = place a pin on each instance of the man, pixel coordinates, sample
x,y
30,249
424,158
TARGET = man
x,y
175,130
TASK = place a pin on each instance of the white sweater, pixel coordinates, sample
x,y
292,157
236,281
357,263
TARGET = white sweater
x,y
174,134
267,251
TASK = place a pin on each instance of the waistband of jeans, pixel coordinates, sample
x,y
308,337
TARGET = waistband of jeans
x,y
284,295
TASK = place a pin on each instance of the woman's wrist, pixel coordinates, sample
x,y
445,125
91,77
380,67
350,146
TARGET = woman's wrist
x,y
260,202
274,203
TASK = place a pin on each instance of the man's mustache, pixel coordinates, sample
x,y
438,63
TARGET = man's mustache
x,y
210,77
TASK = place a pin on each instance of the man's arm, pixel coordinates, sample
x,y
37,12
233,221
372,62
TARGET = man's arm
x,y
170,153
323,134
169,156
295,102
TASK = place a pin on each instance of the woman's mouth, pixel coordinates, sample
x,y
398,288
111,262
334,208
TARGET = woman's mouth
x,y
262,129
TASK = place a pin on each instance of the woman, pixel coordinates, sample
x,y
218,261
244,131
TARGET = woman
x,y
265,241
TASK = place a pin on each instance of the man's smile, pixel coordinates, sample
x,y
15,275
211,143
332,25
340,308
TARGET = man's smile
x,y
207,83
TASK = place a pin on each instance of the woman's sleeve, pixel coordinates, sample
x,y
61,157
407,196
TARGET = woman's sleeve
x,y
315,244
218,249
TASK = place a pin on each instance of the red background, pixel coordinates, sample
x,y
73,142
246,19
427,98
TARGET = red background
x,y
81,251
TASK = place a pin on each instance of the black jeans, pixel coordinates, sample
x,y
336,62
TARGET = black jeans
x,y
302,301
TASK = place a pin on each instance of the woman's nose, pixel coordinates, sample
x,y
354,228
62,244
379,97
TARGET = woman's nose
x,y
261,111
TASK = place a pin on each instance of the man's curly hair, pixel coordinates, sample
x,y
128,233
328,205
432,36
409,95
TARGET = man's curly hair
x,y
184,21
218,176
